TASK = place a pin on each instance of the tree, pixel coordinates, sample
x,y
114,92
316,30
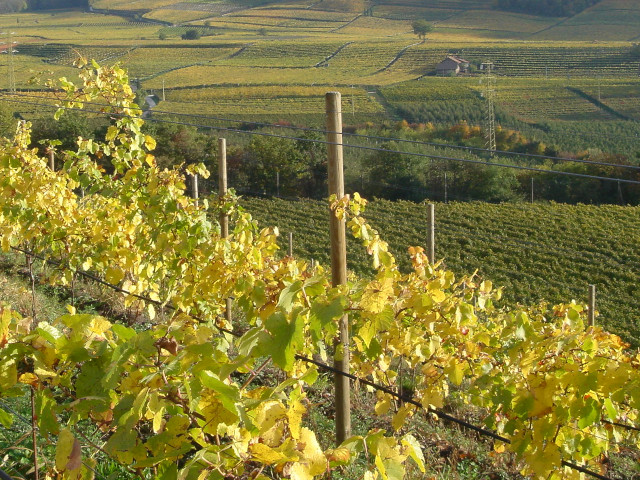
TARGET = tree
x,y
266,158
394,176
8,6
191,34
179,144
421,28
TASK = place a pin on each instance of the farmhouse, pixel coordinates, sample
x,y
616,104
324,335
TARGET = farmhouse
x,y
452,65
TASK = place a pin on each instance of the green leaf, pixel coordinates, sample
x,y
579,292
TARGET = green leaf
x,y
414,450
45,411
8,374
588,414
315,285
171,472
250,340
123,333
524,405
112,131
89,381
288,296
286,338
228,394
5,418
612,413
68,452
323,316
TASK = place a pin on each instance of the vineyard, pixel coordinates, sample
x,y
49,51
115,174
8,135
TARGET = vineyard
x,y
182,394
539,251
274,101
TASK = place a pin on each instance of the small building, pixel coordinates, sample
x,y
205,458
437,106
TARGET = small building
x,y
452,65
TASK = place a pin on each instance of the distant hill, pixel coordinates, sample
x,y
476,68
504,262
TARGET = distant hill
x,y
55,4
549,8
7,6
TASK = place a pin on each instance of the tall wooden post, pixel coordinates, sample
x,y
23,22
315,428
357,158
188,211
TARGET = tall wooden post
x,y
194,189
291,244
531,189
222,184
338,262
592,306
52,160
431,236
446,197
224,218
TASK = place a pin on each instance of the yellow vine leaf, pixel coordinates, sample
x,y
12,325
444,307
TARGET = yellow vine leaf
x,y
68,453
284,453
313,461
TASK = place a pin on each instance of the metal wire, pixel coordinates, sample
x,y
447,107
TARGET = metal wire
x,y
363,147
369,137
411,400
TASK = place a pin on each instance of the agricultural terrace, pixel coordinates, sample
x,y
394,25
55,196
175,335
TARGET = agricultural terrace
x,y
368,52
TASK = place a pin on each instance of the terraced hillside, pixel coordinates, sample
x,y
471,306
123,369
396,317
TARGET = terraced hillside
x,y
367,50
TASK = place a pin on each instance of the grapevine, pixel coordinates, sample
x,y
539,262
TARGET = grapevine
x,y
177,400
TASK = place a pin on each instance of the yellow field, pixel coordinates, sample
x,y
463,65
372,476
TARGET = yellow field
x,y
130,4
518,24
176,16
271,100
306,47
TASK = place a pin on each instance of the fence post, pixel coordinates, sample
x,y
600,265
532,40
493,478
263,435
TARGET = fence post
x,y
194,189
431,236
52,160
222,184
291,244
278,184
338,262
531,189
592,306
446,199
224,218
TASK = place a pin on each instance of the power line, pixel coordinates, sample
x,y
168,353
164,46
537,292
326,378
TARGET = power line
x,y
376,149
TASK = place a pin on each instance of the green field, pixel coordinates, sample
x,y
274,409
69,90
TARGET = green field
x,y
537,252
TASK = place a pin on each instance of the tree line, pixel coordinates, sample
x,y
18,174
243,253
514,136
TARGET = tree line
x,y
549,8
9,6
266,165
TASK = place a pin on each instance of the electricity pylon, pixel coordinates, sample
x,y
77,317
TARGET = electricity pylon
x,y
489,94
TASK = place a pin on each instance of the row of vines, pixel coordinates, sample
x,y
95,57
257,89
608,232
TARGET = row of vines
x,y
178,399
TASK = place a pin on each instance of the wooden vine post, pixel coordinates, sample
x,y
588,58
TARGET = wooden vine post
x,y
431,235
222,192
194,189
222,184
52,160
337,232
592,305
